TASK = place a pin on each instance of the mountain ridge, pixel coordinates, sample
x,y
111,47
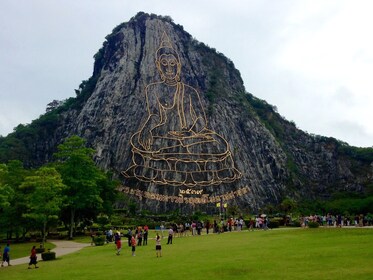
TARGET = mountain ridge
x,y
277,159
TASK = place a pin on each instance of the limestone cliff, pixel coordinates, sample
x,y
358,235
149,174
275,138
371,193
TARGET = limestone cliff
x,y
274,158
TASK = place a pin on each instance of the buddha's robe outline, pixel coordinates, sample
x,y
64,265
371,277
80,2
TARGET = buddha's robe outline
x,y
174,146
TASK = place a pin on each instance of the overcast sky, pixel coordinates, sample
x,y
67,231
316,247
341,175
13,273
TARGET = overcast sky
x,y
312,59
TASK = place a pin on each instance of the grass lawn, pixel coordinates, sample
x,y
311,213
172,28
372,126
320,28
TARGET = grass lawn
x,y
274,254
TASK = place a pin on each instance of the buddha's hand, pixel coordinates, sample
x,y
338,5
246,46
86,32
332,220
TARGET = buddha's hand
x,y
146,139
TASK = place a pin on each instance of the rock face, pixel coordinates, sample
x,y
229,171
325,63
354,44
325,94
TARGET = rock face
x,y
273,159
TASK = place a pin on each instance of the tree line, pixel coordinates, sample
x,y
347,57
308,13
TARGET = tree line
x,y
71,189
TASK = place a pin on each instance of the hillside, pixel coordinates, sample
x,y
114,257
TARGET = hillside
x,y
251,155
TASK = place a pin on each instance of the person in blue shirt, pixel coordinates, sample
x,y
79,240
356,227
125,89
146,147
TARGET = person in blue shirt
x,y
6,257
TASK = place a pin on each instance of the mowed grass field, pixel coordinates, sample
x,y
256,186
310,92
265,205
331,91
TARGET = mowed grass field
x,y
274,254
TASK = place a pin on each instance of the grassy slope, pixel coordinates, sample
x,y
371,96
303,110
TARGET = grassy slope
x,y
276,254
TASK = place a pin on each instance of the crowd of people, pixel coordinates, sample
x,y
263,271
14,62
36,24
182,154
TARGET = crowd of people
x,y
138,236
339,220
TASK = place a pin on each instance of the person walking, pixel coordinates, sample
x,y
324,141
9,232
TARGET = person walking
x,y
133,245
118,243
129,236
139,237
170,235
6,256
33,258
145,235
158,247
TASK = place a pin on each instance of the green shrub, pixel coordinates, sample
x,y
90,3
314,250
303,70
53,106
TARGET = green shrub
x,y
313,225
99,240
280,220
247,223
40,250
274,224
295,224
48,256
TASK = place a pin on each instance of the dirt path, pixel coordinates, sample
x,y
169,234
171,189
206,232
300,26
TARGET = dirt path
x,y
63,247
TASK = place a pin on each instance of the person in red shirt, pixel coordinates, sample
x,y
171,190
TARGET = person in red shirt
x,y
33,258
118,243
133,244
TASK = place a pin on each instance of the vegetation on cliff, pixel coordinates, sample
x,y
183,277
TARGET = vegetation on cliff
x,y
314,165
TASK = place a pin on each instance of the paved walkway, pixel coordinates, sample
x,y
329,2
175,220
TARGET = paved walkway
x,y
63,247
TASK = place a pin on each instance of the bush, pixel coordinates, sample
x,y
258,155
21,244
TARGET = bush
x,y
274,224
295,224
99,240
40,250
280,221
48,256
313,225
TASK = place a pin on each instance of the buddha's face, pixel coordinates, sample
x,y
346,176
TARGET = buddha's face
x,y
168,66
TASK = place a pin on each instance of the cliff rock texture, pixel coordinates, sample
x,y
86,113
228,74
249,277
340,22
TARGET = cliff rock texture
x,y
250,155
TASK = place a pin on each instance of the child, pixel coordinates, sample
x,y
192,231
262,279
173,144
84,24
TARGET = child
x,y
158,248
133,244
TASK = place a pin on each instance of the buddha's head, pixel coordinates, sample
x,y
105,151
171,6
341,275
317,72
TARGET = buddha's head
x,y
168,61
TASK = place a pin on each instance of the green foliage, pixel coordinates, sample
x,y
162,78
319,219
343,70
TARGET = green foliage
x,y
233,210
44,197
351,205
13,148
11,219
307,206
274,224
82,178
6,192
40,250
361,154
48,256
288,205
313,225
86,89
99,240
295,224
269,116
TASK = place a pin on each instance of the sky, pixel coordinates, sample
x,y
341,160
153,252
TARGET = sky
x,y
312,59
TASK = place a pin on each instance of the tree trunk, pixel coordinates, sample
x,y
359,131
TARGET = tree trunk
x,y
72,217
44,232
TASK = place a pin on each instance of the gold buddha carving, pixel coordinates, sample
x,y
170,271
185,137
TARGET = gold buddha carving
x,y
174,146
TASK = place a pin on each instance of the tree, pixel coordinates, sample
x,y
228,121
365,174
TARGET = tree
x,y
44,197
81,177
6,192
14,205
288,205
53,105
